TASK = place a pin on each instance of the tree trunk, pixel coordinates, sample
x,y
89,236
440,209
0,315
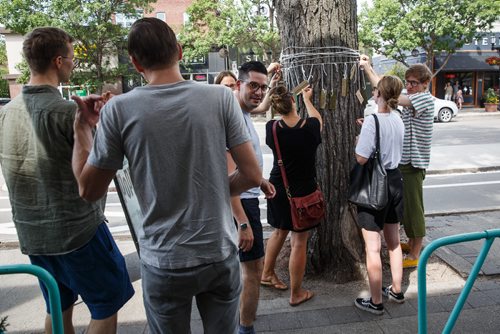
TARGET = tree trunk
x,y
336,248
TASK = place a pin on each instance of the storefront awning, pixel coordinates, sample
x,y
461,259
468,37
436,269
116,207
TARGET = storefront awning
x,y
467,61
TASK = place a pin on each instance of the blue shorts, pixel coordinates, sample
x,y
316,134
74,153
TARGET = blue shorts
x,y
96,272
252,211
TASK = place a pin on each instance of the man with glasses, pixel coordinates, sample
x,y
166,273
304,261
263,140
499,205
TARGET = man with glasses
x,y
418,118
252,86
57,229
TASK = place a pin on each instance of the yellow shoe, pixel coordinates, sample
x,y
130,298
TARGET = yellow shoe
x,y
409,263
405,247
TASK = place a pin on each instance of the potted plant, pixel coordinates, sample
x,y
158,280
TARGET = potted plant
x,y
491,101
3,325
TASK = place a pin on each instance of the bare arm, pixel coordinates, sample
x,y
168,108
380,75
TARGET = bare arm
x,y
92,182
404,101
245,237
364,62
311,110
361,160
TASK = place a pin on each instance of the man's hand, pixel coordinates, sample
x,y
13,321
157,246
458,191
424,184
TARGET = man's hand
x,y
267,188
88,109
245,238
359,121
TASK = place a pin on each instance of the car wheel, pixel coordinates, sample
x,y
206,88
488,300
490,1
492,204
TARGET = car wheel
x,y
445,115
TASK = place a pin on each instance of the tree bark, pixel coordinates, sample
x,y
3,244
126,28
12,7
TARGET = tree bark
x,y
335,249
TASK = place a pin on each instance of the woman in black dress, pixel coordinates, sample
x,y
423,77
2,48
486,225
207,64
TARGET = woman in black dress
x,y
298,139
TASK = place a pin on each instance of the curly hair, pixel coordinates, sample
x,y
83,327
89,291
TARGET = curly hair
x,y
281,99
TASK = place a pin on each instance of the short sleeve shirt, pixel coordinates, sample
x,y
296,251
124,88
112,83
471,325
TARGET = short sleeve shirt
x,y
36,145
391,138
174,137
419,121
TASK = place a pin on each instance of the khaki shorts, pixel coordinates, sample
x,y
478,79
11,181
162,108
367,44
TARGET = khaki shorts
x,y
413,215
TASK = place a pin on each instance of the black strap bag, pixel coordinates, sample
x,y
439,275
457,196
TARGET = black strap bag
x,y
368,186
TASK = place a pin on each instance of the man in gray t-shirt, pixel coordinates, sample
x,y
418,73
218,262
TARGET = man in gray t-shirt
x,y
174,134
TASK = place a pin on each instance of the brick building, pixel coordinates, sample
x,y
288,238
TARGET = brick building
x,y
171,11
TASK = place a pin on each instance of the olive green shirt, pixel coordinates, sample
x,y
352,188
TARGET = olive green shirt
x,y
36,144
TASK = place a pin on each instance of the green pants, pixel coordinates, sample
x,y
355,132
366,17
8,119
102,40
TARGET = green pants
x,y
413,214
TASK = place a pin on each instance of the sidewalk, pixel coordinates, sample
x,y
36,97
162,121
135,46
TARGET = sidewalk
x,y
332,309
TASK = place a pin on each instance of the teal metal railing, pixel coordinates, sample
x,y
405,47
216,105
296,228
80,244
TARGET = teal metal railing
x,y
50,284
490,236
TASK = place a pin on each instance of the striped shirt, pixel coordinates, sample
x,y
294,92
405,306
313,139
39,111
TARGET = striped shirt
x,y
418,121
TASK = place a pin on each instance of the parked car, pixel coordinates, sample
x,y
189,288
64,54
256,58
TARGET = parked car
x,y
444,110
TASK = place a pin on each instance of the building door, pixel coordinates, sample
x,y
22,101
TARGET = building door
x,y
467,82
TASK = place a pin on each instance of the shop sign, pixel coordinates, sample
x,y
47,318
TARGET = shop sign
x,y
482,41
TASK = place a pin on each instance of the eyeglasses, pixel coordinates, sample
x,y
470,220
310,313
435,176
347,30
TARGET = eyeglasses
x,y
75,61
255,86
412,83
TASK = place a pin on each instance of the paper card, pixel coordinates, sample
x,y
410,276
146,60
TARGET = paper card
x,y
360,96
298,89
322,99
344,87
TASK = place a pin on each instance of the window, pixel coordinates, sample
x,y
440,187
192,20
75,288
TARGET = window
x,y
126,21
161,16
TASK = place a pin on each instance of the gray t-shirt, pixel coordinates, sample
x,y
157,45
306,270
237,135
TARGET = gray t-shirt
x,y
253,192
391,138
175,137
36,145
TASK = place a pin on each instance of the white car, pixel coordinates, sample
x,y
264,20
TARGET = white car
x,y
444,110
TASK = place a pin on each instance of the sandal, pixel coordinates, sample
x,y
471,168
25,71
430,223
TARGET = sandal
x,y
275,283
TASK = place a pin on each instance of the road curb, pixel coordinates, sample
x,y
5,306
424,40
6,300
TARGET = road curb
x,y
463,170
460,212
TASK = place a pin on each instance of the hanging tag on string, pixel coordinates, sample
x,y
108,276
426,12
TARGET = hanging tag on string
x,y
333,101
322,99
300,87
322,94
359,96
332,98
344,82
353,71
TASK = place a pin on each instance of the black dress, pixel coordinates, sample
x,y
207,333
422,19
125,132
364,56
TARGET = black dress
x,y
298,146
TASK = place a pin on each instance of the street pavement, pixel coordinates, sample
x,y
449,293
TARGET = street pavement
x,y
332,309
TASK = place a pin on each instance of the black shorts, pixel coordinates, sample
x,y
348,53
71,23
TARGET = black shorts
x,y
374,220
252,211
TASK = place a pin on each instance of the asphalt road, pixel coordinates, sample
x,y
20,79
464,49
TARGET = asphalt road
x,y
443,193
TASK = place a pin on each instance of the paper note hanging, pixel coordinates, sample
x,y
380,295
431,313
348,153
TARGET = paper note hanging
x,y
344,86
300,87
333,101
322,99
359,96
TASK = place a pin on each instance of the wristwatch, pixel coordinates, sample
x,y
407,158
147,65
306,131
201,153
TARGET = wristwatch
x,y
243,226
